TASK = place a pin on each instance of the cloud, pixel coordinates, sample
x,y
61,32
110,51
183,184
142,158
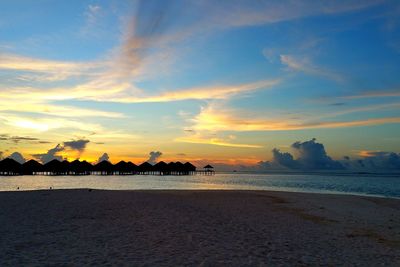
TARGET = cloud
x,y
17,157
216,118
338,104
264,165
54,153
17,139
304,65
92,13
42,70
1,155
203,93
35,104
47,124
212,140
154,156
78,145
50,155
103,157
373,94
284,159
123,95
380,160
311,156
238,13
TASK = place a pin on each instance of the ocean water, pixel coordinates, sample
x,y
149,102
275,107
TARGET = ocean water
x,y
372,185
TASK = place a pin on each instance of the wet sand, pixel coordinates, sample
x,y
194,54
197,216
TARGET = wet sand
x,y
197,228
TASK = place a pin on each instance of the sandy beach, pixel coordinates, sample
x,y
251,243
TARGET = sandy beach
x,y
197,228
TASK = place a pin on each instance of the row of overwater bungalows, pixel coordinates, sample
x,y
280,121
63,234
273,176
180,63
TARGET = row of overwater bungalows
x,y
9,166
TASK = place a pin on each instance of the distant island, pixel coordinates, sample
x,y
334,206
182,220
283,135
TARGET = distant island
x,y
9,167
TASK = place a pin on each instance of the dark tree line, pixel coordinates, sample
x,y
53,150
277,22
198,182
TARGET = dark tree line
x,y
9,166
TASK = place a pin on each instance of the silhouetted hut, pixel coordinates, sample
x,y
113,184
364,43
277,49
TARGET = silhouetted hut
x,y
180,168
80,167
121,168
132,167
189,168
145,168
65,167
86,167
10,167
171,168
161,168
208,170
103,168
75,168
54,167
32,167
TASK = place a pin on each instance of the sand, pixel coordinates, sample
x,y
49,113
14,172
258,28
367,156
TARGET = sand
x,y
197,228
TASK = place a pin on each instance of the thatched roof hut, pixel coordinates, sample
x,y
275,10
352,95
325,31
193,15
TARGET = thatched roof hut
x,y
145,167
86,166
54,167
189,167
208,167
80,167
9,166
161,167
31,167
121,167
132,167
104,167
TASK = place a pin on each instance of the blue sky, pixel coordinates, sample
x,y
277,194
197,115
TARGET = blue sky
x,y
224,82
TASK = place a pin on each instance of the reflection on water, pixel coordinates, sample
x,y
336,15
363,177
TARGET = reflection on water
x,y
388,186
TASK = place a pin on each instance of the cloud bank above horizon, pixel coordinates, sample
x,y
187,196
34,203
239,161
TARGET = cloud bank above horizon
x,y
228,83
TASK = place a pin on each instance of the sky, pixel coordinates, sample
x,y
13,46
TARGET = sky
x,y
233,83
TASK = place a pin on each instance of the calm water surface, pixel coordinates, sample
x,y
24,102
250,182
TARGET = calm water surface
x,y
374,185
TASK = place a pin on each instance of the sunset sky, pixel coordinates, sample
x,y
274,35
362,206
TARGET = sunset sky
x,y
205,81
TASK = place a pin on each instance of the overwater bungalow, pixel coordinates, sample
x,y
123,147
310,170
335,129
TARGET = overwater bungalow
x,y
122,168
9,166
146,168
32,167
103,168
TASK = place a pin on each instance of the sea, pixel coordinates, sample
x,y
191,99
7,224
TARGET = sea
x,y
377,185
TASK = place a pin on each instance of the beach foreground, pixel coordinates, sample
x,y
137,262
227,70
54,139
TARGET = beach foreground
x,y
201,228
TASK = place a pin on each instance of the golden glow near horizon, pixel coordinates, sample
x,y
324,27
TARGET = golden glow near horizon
x,y
219,82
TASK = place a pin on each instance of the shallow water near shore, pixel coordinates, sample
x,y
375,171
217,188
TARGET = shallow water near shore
x,y
372,185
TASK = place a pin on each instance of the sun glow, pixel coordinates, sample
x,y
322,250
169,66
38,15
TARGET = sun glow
x,y
41,127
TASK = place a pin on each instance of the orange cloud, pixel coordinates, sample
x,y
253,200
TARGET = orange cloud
x,y
213,141
211,119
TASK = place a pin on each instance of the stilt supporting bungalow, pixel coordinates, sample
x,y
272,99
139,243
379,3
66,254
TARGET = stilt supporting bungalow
x,y
55,167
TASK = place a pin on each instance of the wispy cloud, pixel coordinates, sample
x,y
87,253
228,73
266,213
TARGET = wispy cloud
x,y
119,94
49,70
202,93
238,13
219,119
201,138
373,94
306,66
46,124
7,104
361,109
92,13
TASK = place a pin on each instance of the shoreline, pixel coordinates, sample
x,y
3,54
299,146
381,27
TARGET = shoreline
x,y
197,228
335,193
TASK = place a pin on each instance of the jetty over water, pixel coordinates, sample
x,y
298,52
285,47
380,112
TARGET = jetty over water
x,y
10,167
